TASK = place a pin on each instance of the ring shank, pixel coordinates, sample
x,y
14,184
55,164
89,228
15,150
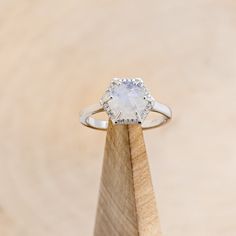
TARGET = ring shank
x,y
87,119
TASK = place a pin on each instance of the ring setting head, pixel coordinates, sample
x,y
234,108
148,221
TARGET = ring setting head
x,y
127,101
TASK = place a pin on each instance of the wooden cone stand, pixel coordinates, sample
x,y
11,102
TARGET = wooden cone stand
x,y
126,204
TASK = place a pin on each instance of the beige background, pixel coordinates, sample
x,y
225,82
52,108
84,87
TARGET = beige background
x,y
59,56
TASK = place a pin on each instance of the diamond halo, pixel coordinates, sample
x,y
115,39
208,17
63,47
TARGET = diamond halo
x,y
127,101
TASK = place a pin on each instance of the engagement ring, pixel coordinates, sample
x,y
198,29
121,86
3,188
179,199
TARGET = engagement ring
x,y
126,101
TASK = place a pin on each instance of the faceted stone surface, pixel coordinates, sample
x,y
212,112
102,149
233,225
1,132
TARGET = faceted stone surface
x,y
127,101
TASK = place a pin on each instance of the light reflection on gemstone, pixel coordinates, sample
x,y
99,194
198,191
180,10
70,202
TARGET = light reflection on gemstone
x,y
127,101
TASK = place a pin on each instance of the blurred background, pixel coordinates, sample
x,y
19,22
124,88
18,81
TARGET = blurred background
x,y
57,57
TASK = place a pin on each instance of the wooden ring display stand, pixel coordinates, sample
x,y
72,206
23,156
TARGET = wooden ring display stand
x,y
126,205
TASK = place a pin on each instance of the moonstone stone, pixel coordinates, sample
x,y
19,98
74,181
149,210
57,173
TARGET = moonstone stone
x,y
128,101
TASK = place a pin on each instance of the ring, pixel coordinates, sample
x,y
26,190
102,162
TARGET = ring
x,y
126,101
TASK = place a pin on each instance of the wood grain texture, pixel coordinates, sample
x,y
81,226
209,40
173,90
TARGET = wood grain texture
x,y
126,203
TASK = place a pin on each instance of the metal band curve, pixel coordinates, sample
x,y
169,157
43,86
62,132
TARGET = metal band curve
x,y
87,119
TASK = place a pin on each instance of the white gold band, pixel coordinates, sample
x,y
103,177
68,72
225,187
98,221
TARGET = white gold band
x,y
87,119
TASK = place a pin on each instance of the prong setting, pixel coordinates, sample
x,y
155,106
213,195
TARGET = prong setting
x,y
127,101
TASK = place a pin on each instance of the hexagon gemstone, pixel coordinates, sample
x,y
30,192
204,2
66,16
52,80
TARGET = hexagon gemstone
x,y
126,101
